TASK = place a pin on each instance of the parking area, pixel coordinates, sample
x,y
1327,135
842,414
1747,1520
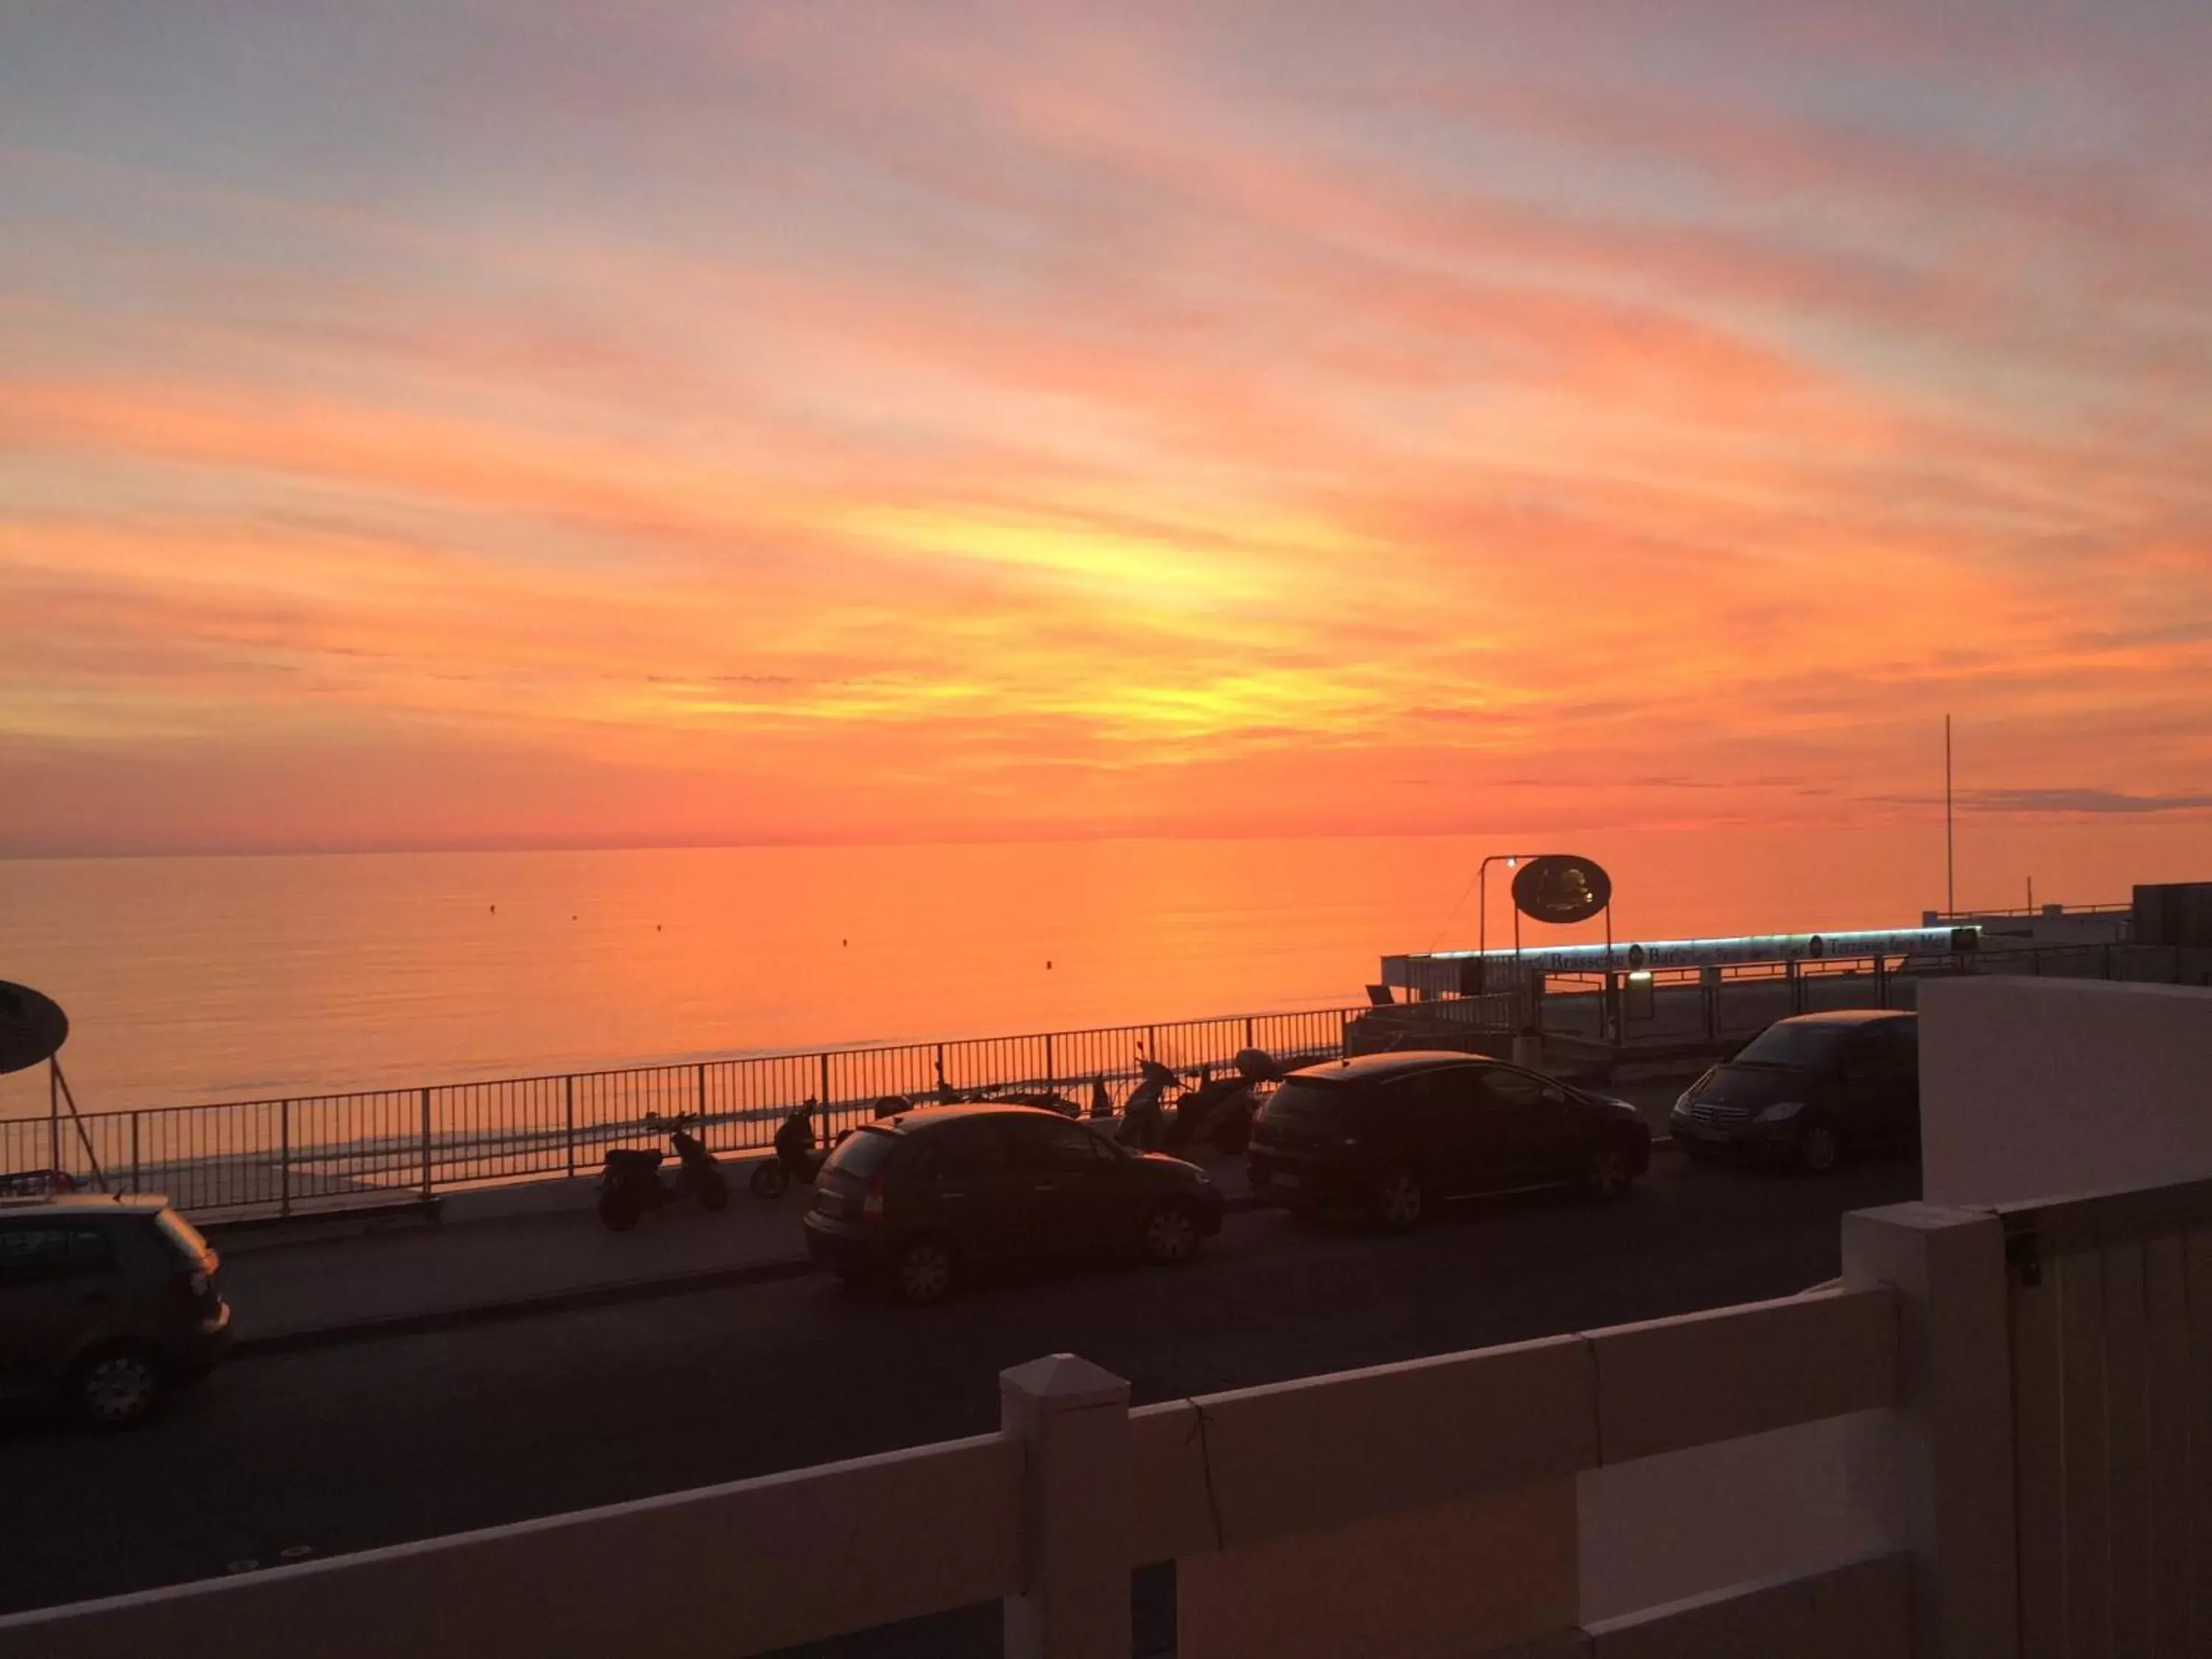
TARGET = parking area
x,y
292,1455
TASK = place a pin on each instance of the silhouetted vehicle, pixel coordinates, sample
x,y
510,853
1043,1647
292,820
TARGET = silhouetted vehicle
x,y
630,1184
106,1305
1218,1111
37,1184
1143,1125
1004,1094
1806,1091
798,1157
920,1201
1390,1134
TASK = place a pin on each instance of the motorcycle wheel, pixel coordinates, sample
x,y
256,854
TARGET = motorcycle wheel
x,y
714,1190
618,1210
770,1179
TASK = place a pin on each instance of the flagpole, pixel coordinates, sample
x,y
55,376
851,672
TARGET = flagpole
x,y
1950,887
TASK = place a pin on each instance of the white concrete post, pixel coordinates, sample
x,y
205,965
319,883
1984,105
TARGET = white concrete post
x,y
1940,1465
1072,1417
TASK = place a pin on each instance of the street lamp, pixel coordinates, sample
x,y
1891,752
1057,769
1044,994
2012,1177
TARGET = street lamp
x,y
1511,861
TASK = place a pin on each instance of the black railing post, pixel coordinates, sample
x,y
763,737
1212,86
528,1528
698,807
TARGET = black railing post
x,y
569,1117
425,1143
283,1157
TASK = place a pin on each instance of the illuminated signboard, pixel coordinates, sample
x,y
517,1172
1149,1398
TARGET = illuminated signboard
x,y
1561,889
32,1027
1442,966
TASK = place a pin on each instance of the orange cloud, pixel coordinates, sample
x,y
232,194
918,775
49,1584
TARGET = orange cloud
x,y
1064,423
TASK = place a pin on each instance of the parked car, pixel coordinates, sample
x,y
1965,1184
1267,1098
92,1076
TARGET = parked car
x,y
107,1304
1394,1134
923,1198
1806,1091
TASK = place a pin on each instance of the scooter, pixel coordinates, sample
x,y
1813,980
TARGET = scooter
x,y
797,1156
630,1183
1144,1125
1219,1111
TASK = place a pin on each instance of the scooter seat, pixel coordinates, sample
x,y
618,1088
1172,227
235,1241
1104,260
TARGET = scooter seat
x,y
631,1158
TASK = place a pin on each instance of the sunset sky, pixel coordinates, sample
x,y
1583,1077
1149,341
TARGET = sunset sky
x,y
501,423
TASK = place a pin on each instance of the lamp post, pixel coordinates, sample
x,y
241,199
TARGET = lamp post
x,y
1511,860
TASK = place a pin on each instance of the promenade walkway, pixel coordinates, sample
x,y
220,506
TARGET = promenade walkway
x,y
321,1282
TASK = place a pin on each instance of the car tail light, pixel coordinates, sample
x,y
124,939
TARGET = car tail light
x,y
192,1284
871,1206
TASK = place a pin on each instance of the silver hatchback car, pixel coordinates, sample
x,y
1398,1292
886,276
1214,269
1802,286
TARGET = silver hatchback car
x,y
107,1304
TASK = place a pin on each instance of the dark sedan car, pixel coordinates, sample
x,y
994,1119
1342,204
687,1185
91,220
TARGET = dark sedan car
x,y
918,1200
1807,1090
1391,1134
105,1304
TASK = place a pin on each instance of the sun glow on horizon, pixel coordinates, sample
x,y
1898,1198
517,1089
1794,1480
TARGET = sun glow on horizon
x,y
1043,422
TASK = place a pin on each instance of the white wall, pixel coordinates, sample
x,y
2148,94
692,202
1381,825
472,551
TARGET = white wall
x,y
2038,1088
1691,1521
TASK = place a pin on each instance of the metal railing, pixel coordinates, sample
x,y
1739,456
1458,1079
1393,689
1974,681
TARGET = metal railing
x,y
2122,908
1678,1005
304,1152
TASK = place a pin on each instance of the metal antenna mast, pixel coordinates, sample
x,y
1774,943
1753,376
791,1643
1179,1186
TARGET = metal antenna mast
x,y
1950,885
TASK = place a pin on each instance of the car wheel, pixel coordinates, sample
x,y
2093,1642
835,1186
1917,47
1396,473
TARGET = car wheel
x,y
1400,1202
1609,1173
115,1388
924,1271
1818,1149
1172,1234
770,1179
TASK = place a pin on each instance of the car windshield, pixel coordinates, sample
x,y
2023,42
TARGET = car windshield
x,y
1809,1045
1305,1103
864,1153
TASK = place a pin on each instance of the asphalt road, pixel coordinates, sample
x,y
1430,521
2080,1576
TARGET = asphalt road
x,y
344,1448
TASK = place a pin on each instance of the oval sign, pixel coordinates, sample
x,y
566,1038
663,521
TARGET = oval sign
x,y
32,1027
1561,888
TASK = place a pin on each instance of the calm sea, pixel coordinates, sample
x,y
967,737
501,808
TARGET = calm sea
x,y
213,978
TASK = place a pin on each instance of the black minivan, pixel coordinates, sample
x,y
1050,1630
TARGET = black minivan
x,y
924,1197
1391,1134
1807,1089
